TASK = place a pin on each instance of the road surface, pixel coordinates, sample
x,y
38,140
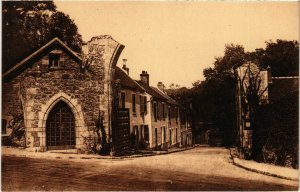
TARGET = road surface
x,y
201,168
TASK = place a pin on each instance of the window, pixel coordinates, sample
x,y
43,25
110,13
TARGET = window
x,y
176,136
156,141
54,60
146,133
165,138
145,104
141,105
136,133
162,135
155,111
163,111
176,114
169,115
133,104
3,131
170,136
123,100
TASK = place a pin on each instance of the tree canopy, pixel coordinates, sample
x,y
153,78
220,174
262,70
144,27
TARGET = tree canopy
x,y
27,25
213,99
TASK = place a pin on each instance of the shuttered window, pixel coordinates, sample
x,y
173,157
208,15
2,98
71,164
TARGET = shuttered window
x,y
145,105
133,104
141,105
163,111
123,100
155,110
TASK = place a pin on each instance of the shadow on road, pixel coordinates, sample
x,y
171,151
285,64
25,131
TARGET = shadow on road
x,y
20,173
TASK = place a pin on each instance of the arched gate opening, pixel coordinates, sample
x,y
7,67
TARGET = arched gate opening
x,y
60,127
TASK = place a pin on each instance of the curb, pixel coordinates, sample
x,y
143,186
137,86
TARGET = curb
x,y
263,172
154,154
260,172
35,155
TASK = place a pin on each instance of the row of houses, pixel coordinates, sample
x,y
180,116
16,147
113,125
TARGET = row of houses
x,y
62,99
156,120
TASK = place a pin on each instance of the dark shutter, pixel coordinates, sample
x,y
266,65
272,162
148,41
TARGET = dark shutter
x,y
133,103
141,105
145,105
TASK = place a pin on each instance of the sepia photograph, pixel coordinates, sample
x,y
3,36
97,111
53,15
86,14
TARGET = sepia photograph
x,y
149,95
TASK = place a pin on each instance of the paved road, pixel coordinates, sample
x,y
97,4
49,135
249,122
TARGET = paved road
x,y
201,168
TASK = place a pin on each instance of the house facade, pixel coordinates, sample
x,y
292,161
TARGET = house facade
x,y
61,95
179,127
134,98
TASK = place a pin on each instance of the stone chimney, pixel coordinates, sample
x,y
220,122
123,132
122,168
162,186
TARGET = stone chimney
x,y
161,86
145,77
125,68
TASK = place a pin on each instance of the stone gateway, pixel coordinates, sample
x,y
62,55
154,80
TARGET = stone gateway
x,y
64,97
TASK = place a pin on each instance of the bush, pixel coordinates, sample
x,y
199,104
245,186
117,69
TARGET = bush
x,y
275,136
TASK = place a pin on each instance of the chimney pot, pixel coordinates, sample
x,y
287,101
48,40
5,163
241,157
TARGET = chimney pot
x,y
125,68
161,86
144,77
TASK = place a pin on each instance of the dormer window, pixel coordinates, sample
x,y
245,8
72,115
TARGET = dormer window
x,y
54,59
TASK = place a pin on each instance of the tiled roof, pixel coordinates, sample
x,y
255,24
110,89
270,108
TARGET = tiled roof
x,y
169,99
281,87
151,91
126,81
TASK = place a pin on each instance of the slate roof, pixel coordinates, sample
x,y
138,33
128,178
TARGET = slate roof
x,y
54,43
151,91
169,99
126,81
282,86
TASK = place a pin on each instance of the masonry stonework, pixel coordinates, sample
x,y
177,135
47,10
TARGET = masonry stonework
x,y
84,85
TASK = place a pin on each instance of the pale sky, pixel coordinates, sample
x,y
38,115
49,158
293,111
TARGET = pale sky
x,y
175,41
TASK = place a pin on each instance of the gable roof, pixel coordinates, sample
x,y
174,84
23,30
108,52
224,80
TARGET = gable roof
x,y
54,43
167,97
151,91
126,81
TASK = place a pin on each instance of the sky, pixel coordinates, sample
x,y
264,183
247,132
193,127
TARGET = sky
x,y
175,41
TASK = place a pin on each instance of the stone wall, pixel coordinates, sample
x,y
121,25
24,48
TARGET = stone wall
x,y
106,51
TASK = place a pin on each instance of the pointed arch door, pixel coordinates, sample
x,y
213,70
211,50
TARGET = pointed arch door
x,y
60,127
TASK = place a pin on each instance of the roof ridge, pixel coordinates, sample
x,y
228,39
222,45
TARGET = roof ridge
x,y
32,55
131,79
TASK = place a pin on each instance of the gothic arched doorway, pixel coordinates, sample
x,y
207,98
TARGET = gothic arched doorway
x,y
60,127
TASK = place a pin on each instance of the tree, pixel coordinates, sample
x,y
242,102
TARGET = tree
x,y
251,88
65,29
27,25
214,98
282,56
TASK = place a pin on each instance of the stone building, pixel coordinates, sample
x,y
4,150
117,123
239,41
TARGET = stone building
x,y
65,98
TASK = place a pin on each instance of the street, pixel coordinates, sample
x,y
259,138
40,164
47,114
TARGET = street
x,y
201,168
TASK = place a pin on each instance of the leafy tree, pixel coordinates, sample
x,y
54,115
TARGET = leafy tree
x,y
282,56
214,99
27,25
